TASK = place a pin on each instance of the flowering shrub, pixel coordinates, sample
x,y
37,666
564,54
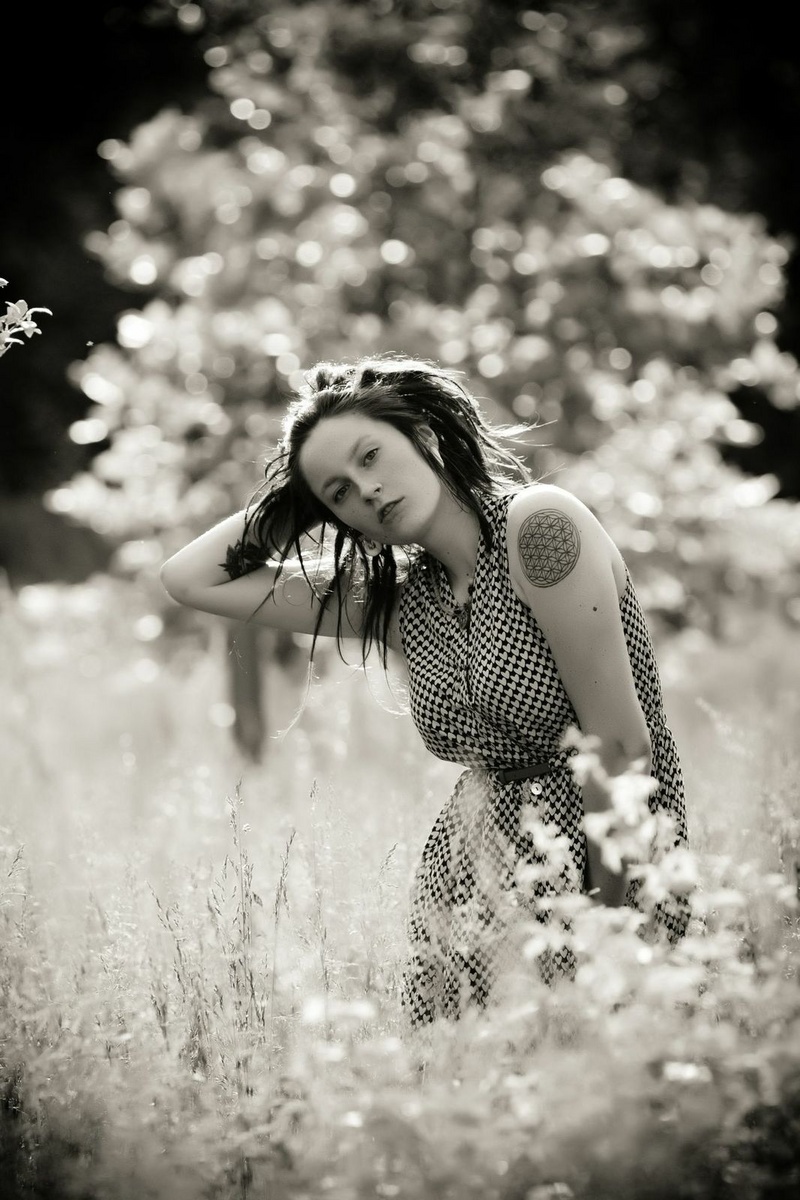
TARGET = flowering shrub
x,y
18,318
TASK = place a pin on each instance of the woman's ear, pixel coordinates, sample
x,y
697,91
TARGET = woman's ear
x,y
431,441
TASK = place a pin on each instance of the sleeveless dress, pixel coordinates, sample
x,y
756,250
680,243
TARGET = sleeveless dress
x,y
490,696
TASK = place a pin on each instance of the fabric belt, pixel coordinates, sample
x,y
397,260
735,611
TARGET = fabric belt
x,y
508,774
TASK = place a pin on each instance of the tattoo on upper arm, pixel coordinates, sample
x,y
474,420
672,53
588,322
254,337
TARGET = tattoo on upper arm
x,y
549,545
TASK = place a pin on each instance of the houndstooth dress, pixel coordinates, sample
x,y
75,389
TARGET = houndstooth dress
x,y
490,696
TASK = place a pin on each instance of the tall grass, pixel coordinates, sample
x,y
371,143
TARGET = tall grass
x,y
200,956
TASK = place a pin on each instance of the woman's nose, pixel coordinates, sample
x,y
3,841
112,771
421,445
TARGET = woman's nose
x,y
371,491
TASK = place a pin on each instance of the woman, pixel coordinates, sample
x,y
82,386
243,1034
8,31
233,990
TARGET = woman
x,y
515,615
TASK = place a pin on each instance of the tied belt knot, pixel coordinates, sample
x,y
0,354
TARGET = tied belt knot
x,y
533,770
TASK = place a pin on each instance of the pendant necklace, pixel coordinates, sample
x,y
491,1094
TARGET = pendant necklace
x,y
461,612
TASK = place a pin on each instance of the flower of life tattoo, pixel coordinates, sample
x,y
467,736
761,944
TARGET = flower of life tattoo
x,y
549,545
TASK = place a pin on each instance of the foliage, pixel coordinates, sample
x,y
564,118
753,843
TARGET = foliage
x,y
443,180
18,319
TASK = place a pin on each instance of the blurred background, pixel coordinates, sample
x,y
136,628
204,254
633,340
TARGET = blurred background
x,y
590,209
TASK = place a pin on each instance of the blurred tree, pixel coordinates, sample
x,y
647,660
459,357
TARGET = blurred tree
x,y
446,179
706,97
715,116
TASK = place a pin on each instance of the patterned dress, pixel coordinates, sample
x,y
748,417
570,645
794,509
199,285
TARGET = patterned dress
x,y
489,696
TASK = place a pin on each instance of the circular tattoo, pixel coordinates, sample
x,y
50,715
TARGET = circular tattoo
x,y
549,545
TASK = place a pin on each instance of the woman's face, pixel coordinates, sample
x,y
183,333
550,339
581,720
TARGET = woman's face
x,y
371,476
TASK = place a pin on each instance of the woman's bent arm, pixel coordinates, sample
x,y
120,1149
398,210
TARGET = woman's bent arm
x,y
280,598
560,565
201,564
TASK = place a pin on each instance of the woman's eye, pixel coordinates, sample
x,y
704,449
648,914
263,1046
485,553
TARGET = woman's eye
x,y
368,457
339,494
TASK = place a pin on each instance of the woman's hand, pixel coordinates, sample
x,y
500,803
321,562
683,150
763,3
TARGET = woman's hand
x,y
600,882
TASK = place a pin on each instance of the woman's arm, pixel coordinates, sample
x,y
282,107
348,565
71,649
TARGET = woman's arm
x,y
560,560
197,576
207,561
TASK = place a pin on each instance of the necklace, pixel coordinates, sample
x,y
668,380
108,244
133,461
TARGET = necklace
x,y
460,612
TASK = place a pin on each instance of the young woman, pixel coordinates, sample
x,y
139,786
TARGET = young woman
x,y
515,615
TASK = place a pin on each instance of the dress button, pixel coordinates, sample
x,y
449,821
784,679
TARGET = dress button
x,y
536,789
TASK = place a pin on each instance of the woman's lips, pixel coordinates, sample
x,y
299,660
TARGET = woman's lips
x,y
389,509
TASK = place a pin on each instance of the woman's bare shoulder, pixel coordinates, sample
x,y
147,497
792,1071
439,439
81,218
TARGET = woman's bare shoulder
x,y
537,497
547,523
539,506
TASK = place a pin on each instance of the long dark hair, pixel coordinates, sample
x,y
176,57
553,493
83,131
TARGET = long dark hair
x,y
406,393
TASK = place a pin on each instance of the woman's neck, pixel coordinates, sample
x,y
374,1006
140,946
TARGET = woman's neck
x,y
454,540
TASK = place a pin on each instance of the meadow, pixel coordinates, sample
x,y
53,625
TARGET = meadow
x,y
200,955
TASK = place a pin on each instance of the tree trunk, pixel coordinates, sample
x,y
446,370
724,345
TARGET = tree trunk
x,y
244,645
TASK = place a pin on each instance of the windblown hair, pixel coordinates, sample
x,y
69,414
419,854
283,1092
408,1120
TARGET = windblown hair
x,y
406,393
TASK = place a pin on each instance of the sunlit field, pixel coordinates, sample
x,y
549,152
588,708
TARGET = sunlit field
x,y
200,956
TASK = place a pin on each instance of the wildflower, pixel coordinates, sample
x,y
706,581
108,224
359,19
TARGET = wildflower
x,y
18,319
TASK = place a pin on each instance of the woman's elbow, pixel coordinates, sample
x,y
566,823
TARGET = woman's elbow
x,y
170,579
